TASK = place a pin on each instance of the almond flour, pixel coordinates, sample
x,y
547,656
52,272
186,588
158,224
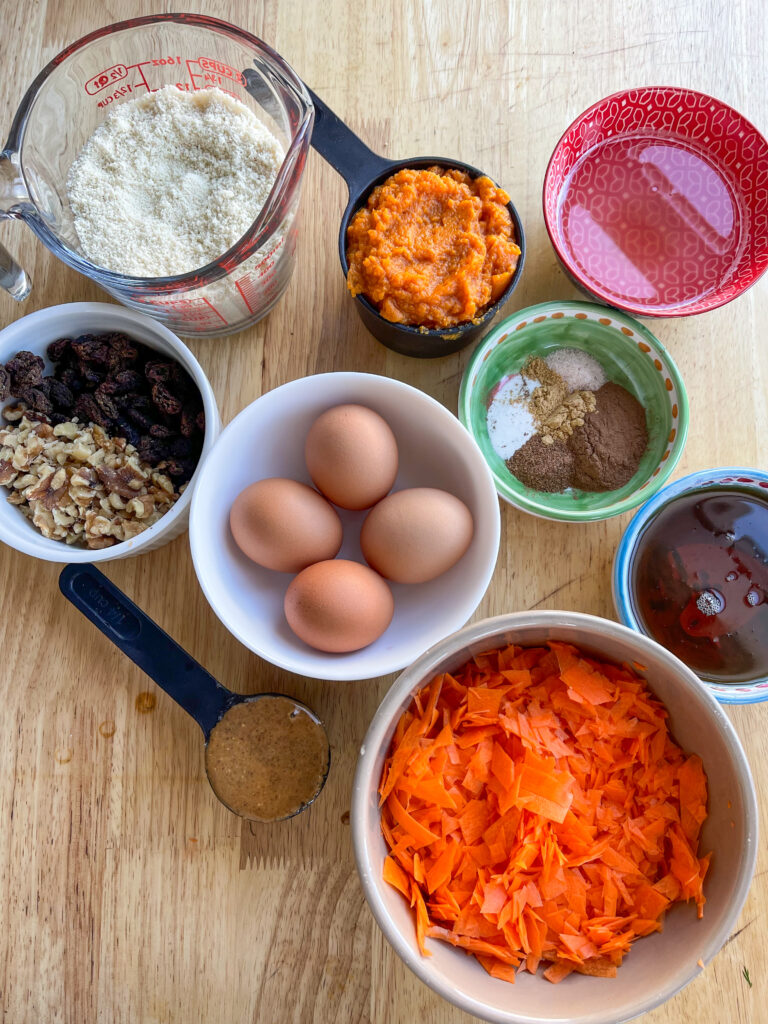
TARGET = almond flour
x,y
169,182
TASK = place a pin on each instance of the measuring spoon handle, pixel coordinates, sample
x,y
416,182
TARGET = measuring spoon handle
x,y
345,152
136,635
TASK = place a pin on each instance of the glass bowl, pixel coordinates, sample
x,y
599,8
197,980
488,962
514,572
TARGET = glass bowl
x,y
630,355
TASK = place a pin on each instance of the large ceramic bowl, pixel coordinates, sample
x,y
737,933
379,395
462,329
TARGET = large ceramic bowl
x,y
267,439
34,333
629,355
657,966
751,480
656,202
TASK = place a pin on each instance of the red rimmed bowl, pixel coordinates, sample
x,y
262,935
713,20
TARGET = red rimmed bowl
x,y
656,202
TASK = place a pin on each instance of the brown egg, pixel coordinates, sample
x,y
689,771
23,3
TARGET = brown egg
x,y
417,534
338,606
351,455
284,525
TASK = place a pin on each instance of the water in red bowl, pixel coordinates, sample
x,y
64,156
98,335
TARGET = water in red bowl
x,y
655,201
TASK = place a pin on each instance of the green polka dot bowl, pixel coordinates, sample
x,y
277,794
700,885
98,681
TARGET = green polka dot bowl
x,y
629,355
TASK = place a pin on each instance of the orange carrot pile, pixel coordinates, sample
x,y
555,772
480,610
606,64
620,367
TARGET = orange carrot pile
x,y
537,809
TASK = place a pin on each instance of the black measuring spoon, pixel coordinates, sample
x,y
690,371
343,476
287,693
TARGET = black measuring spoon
x,y
169,665
363,170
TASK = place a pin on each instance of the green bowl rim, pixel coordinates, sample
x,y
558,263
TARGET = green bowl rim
x,y
665,469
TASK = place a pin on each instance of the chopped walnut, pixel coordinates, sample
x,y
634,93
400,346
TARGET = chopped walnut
x,y
77,484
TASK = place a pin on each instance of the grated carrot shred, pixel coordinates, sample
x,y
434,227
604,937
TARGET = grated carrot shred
x,y
538,812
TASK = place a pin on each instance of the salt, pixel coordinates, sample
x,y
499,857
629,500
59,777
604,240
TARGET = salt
x,y
579,370
510,421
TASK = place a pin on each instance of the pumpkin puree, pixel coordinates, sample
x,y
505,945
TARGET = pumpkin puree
x,y
432,248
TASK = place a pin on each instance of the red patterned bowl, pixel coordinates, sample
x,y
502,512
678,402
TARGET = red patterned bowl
x,y
656,202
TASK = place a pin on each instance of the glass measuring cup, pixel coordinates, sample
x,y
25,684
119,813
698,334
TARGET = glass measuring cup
x,y
74,94
195,690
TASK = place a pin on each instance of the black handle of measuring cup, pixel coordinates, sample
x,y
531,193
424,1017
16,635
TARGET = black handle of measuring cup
x,y
148,646
345,152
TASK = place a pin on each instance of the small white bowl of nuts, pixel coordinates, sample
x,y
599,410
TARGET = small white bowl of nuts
x,y
106,418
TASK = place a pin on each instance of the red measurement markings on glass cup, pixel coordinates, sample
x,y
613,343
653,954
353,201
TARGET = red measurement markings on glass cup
x,y
105,78
258,286
199,311
213,72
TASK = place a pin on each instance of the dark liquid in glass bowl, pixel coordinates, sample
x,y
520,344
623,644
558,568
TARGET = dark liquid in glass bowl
x,y
699,582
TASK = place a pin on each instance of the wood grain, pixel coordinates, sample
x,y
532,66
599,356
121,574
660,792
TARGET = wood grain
x,y
127,893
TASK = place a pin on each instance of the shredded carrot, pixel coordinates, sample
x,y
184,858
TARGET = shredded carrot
x,y
538,812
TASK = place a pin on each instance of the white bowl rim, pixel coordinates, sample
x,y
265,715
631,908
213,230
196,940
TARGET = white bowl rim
x,y
418,674
197,535
58,551
753,692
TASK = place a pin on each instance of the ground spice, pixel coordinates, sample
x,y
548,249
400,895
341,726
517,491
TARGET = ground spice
x,y
541,466
552,390
554,406
560,424
607,450
579,370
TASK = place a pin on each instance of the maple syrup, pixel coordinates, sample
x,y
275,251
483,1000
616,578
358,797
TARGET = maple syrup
x,y
699,582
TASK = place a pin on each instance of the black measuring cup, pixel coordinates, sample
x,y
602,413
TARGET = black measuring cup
x,y
169,665
363,170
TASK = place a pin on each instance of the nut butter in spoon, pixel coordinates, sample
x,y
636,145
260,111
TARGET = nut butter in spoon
x,y
267,756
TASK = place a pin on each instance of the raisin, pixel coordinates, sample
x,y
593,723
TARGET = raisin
x,y
151,450
159,430
37,400
25,371
158,372
71,379
165,401
59,393
87,410
105,403
142,421
174,468
188,426
5,383
189,465
180,447
91,377
127,430
200,421
89,348
59,417
108,387
142,402
122,351
59,349
126,380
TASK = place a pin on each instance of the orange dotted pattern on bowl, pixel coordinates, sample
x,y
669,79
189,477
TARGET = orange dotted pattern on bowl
x,y
642,345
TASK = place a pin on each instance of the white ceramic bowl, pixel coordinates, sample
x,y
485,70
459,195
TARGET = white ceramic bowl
x,y
267,439
657,966
34,333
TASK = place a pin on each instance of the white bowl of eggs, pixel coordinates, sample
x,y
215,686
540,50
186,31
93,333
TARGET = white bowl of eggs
x,y
342,524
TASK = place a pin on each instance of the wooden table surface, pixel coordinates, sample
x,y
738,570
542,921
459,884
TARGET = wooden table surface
x,y
127,892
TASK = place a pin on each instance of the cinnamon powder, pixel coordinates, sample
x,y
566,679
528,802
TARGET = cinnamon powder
x,y
607,450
